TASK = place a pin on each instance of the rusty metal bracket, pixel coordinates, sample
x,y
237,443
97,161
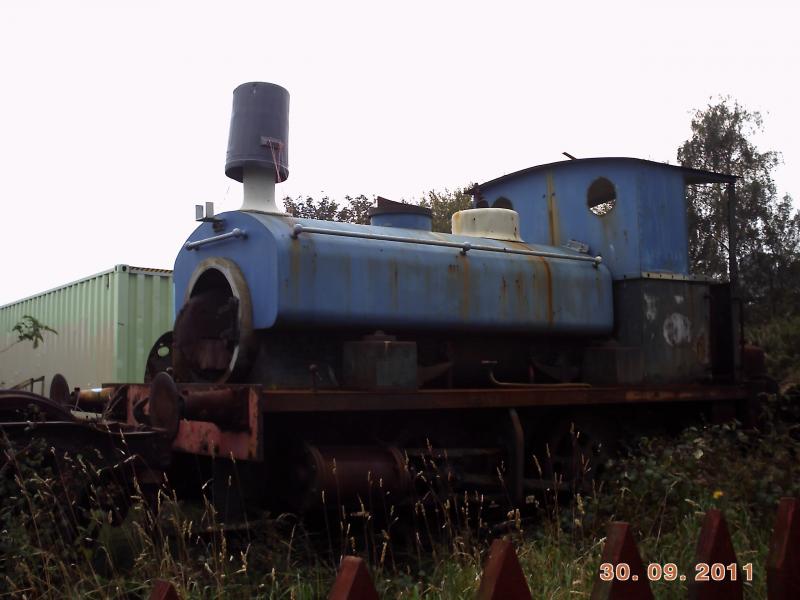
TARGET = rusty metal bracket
x,y
213,420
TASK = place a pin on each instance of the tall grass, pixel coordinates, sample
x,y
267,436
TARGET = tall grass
x,y
68,532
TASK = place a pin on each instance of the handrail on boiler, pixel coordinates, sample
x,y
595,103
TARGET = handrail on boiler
x,y
463,246
236,233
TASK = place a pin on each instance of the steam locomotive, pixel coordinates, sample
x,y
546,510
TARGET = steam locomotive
x,y
318,359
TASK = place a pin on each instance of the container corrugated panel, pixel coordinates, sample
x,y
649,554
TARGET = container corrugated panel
x,y
106,325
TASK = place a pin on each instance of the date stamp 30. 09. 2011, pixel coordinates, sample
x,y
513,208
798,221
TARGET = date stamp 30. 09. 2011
x,y
670,572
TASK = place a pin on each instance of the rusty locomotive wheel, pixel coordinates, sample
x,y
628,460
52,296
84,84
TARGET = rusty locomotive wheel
x,y
160,357
59,389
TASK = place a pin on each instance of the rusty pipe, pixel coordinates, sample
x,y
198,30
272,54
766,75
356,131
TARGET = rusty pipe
x,y
489,364
93,400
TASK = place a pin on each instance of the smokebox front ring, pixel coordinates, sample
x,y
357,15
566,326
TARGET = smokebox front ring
x,y
214,340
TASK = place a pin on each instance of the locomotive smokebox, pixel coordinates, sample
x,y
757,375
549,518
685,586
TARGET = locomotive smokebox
x,y
258,143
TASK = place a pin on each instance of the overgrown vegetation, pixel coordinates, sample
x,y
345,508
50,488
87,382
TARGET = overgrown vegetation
x,y
62,539
780,339
29,329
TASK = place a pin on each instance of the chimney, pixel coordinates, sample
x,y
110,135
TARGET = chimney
x,y
258,143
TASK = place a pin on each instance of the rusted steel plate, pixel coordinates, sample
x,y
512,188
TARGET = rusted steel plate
x,y
353,581
614,582
503,578
204,437
714,547
545,395
783,562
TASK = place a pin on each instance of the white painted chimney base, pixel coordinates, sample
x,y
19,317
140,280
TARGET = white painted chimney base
x,y
259,191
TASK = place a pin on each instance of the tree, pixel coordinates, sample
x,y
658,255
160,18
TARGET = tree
x,y
354,211
308,208
356,208
767,228
444,204
29,329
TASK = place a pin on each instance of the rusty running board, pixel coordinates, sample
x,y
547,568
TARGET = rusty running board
x,y
194,410
287,401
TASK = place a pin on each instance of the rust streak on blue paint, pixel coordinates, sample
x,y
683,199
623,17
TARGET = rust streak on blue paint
x,y
552,212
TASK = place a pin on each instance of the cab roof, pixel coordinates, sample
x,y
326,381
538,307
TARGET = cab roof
x,y
690,175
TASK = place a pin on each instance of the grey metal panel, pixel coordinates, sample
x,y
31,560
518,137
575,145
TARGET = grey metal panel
x,y
670,321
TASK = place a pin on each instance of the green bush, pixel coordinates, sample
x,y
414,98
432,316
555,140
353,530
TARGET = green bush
x,y
780,339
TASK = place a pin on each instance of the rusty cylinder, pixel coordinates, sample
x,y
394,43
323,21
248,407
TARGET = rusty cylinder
x,y
349,475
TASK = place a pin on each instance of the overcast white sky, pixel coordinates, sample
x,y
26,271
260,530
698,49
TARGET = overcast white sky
x,y
114,116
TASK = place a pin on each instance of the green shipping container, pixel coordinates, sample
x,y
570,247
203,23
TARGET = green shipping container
x,y
106,325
